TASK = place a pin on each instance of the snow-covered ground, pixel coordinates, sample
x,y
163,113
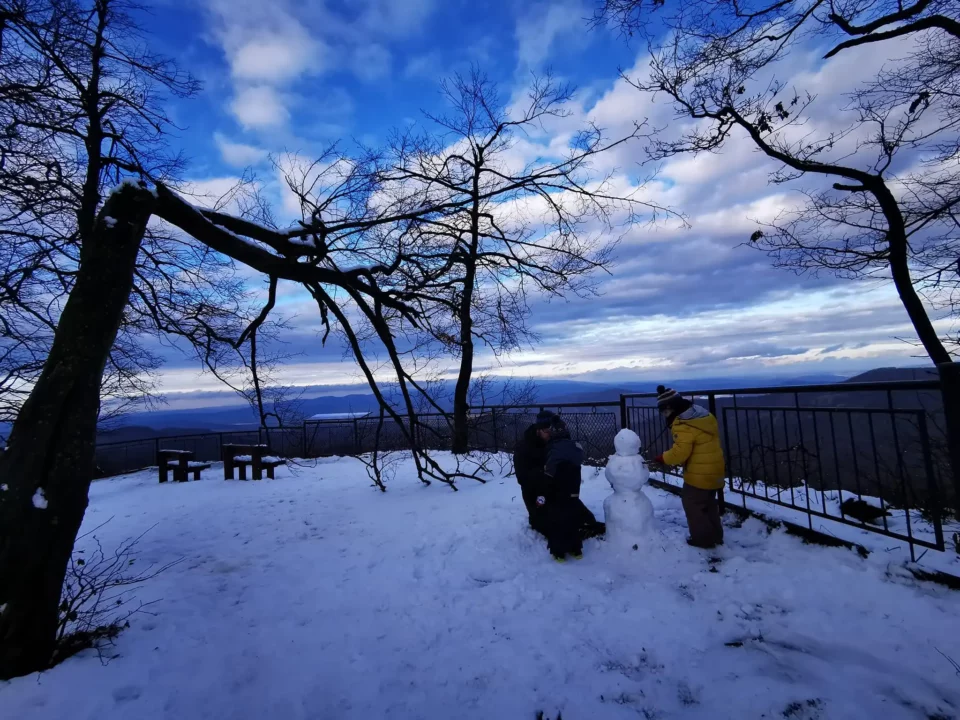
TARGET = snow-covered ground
x,y
888,549
316,596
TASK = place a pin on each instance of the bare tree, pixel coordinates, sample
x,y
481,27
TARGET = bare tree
x,y
81,106
138,258
881,189
526,219
890,208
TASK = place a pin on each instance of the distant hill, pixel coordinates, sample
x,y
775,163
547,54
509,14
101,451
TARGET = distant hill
x,y
896,374
167,423
606,393
139,432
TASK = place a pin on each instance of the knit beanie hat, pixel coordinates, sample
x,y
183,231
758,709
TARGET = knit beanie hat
x,y
544,419
670,399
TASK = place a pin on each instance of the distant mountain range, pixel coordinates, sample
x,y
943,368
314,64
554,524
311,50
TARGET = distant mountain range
x,y
167,423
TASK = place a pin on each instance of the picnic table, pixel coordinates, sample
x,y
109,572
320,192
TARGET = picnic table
x,y
240,456
182,464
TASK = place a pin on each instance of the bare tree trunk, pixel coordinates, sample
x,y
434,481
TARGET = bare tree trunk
x,y
461,403
950,391
48,464
900,271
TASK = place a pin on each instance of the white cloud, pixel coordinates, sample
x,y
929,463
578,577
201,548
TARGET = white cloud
x,y
277,58
220,193
270,46
259,107
263,41
543,25
390,18
238,154
424,66
371,62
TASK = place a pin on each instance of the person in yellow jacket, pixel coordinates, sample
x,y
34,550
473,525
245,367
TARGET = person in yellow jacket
x,y
696,448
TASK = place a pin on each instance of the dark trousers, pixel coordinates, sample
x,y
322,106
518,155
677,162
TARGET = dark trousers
x,y
702,508
587,524
562,527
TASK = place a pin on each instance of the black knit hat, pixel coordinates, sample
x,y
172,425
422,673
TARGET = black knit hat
x,y
670,399
545,418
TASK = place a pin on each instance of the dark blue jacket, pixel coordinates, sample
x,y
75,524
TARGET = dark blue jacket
x,y
564,459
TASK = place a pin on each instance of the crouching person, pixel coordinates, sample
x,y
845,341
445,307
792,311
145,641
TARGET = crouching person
x,y
696,448
563,506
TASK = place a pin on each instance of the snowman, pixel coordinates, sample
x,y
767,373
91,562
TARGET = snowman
x,y
628,512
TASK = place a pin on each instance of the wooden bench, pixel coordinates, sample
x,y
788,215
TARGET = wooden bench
x,y
182,464
240,456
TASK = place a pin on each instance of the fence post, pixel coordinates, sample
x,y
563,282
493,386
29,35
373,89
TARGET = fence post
x,y
712,406
356,437
496,440
623,411
950,390
304,438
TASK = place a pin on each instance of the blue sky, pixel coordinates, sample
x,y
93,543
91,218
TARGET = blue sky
x,y
290,77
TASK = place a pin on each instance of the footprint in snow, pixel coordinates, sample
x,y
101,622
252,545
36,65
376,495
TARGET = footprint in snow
x,y
127,693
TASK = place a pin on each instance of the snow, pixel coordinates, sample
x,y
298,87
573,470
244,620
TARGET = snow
x,y
131,182
892,549
317,596
40,499
110,221
4,487
176,452
339,416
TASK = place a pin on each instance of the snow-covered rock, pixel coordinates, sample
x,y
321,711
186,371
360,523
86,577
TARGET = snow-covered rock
x,y
628,512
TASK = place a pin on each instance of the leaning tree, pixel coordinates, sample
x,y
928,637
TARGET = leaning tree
x,y
139,257
82,107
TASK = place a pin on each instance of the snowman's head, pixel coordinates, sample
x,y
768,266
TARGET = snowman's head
x,y
627,442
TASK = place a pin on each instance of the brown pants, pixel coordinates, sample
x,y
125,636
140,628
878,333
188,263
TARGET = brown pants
x,y
702,508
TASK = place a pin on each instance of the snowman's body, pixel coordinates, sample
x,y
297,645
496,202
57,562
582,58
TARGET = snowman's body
x,y
628,512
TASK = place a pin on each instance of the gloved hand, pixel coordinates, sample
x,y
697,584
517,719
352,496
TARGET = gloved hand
x,y
657,464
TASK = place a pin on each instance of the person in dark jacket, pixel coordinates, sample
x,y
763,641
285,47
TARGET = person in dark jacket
x,y
529,461
529,458
562,470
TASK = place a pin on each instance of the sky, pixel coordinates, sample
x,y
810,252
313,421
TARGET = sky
x,y
679,302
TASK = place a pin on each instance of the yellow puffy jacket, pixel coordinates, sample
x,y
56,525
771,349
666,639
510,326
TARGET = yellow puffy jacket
x,y
696,446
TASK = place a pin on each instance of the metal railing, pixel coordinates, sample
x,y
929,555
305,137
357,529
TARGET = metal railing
x,y
809,448
817,448
494,428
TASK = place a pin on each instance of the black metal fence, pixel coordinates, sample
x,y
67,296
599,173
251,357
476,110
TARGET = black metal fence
x,y
494,429
809,448
814,448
